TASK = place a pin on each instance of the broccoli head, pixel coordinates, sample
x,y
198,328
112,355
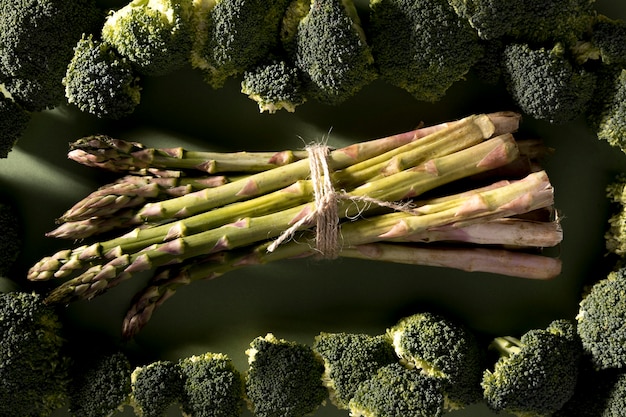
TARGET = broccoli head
x,y
36,43
101,82
545,83
100,385
615,236
10,236
329,46
608,38
396,391
212,386
155,387
602,321
421,46
536,374
284,378
235,35
14,120
33,364
528,20
606,112
441,348
155,35
350,359
274,85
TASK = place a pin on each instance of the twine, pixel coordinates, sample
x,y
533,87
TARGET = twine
x,y
326,206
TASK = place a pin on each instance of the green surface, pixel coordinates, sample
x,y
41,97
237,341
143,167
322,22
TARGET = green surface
x,y
297,299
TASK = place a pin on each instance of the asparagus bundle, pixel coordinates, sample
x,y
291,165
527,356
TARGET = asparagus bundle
x,y
182,221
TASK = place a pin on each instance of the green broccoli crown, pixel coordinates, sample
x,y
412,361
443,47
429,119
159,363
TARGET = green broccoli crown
x,y
602,321
396,391
422,47
33,367
10,236
236,35
212,386
284,378
274,85
609,38
528,20
442,348
615,236
536,374
350,359
100,385
606,112
155,387
36,43
155,35
545,84
331,50
13,122
100,82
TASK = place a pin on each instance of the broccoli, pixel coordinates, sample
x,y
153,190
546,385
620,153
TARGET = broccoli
x,y
606,112
615,235
10,236
421,46
534,21
155,387
396,391
350,359
14,120
101,82
602,321
284,378
34,367
598,394
155,35
608,38
328,44
441,348
274,85
235,35
545,83
212,386
100,385
536,374
36,44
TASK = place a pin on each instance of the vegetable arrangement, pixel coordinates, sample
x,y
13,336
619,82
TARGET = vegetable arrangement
x,y
467,194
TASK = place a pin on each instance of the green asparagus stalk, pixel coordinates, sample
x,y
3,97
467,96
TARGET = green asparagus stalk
x,y
117,155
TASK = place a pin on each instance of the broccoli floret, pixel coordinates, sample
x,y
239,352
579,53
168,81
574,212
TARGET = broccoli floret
x,y
155,387
536,374
349,360
606,112
33,363
441,348
274,85
396,391
602,321
421,46
615,236
284,378
328,45
100,386
14,120
609,39
155,35
10,236
545,83
36,44
101,82
235,35
528,20
212,386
